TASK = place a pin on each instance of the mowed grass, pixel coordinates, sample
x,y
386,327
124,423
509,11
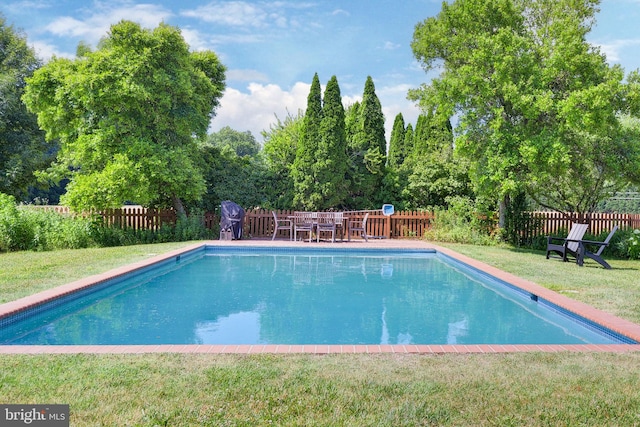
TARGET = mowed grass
x,y
26,273
590,389
616,291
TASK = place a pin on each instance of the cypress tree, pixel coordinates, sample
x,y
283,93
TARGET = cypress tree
x,y
304,181
396,153
367,151
331,157
408,140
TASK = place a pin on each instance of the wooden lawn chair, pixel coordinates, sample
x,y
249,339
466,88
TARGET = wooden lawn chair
x,y
569,245
358,226
583,250
303,222
281,224
326,224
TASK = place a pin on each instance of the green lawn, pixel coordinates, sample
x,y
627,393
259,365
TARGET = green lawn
x,y
356,390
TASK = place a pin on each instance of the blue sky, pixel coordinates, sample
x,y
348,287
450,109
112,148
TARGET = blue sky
x,y
273,48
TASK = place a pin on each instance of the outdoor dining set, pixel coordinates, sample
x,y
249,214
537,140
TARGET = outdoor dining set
x,y
310,224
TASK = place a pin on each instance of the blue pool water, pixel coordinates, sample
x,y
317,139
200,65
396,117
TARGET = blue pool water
x,y
285,296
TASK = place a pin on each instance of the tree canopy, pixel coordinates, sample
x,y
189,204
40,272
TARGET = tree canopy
x,y
23,149
538,107
242,143
126,116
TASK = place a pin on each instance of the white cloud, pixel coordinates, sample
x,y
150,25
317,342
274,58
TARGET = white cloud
x,y
391,46
613,49
256,110
340,12
232,13
46,50
20,7
96,26
194,39
394,100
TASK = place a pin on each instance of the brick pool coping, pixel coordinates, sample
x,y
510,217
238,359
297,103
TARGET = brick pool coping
x,y
607,320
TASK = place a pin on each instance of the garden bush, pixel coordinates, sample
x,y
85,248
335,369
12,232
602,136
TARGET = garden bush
x,y
629,244
22,228
15,231
463,222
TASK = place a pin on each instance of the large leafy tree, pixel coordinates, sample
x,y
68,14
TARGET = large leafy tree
x,y
538,107
229,176
280,147
434,173
126,116
331,164
22,145
304,180
243,143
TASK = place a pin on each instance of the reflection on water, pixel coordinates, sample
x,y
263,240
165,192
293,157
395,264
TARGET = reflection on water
x,y
251,298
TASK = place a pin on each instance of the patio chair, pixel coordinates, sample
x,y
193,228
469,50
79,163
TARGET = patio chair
x,y
569,245
281,224
583,250
359,226
329,222
303,222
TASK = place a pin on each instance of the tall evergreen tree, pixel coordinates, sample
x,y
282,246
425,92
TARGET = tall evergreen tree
x,y
421,134
304,180
367,149
396,153
331,157
432,171
408,140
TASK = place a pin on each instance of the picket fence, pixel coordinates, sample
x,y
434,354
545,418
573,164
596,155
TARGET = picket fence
x,y
402,224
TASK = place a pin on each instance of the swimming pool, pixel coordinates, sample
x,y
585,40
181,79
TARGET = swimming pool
x,y
299,296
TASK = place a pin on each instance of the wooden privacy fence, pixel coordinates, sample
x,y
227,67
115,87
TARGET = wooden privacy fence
x,y
403,224
259,223
547,223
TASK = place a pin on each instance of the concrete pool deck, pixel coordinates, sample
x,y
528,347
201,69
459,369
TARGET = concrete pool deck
x,y
607,320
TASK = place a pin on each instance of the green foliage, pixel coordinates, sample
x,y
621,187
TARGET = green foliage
x,y
23,228
539,108
432,172
15,231
126,115
634,245
625,201
629,244
305,195
330,169
280,147
367,151
242,143
232,177
518,218
463,222
397,153
23,149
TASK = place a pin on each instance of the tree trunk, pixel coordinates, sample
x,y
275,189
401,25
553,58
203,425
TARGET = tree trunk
x,y
502,212
178,206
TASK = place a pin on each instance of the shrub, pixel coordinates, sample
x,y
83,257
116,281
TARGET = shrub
x,y
461,223
634,245
629,244
15,231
